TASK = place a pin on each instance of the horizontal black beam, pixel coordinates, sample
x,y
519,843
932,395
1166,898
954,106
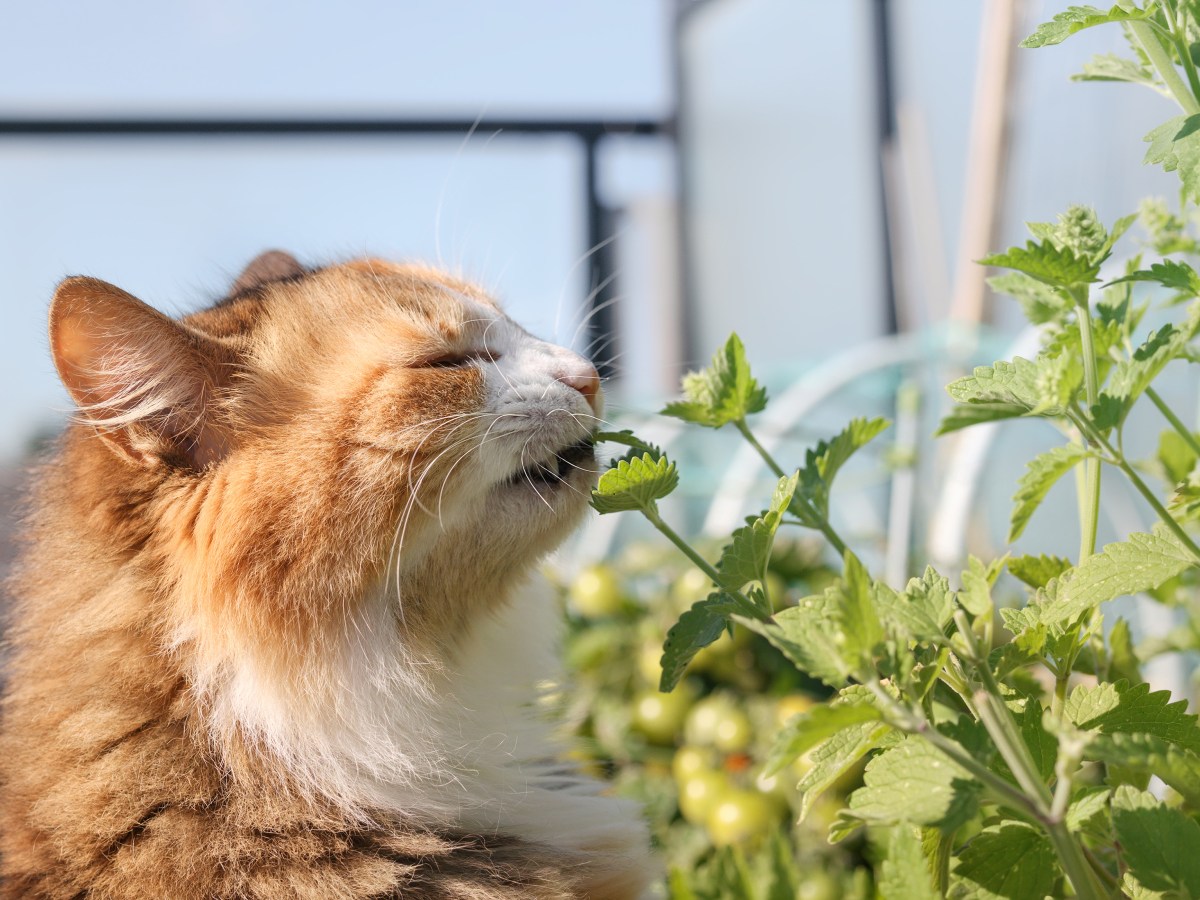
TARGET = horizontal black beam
x,y
588,129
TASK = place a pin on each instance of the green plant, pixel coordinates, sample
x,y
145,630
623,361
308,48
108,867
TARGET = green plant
x,y
985,778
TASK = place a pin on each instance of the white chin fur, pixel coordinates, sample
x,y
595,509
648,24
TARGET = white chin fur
x,y
370,728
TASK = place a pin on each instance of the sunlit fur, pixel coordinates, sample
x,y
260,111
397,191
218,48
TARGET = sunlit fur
x,y
274,633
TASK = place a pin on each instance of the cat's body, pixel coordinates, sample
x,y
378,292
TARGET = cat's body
x,y
273,634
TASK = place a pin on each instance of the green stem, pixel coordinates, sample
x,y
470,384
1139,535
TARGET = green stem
x,y
701,563
910,721
741,426
1178,22
1119,461
1157,54
1090,507
822,525
1169,415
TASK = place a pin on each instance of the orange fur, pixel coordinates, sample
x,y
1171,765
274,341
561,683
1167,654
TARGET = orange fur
x,y
250,486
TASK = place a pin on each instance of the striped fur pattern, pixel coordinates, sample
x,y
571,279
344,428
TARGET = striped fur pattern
x,y
274,633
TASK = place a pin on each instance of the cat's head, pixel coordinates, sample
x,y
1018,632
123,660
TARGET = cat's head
x,y
322,436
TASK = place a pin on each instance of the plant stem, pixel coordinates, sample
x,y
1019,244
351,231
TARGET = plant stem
x,y
899,716
1161,61
1119,461
1090,506
741,426
1178,22
1169,415
701,563
822,524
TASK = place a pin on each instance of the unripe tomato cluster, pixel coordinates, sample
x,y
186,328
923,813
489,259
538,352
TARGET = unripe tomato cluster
x,y
695,756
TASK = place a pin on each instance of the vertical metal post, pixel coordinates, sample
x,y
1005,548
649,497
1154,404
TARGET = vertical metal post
x,y
885,108
601,273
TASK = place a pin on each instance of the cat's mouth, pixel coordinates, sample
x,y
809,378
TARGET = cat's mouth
x,y
549,473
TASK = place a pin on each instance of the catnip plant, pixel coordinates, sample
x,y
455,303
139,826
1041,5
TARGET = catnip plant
x,y
963,720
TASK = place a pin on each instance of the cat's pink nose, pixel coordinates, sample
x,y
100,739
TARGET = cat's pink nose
x,y
585,379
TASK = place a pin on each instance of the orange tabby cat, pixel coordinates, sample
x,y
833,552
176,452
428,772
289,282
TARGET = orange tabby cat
x,y
273,634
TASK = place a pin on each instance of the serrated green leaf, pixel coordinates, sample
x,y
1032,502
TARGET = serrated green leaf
x,y
1076,18
1128,567
922,610
1170,273
696,629
1123,661
1042,472
1131,377
1010,383
1142,562
964,415
635,484
1040,302
1176,456
1049,263
860,629
1175,145
904,873
746,557
915,783
637,447
1059,380
1036,571
976,594
1119,707
832,759
1089,805
1110,67
1160,845
811,728
1009,861
1177,767
725,392
823,462
809,634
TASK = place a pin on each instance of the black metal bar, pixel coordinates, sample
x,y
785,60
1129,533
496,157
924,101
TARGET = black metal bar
x,y
600,268
885,108
589,129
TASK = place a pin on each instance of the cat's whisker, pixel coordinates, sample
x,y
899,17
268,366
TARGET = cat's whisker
x,y
562,294
593,311
437,215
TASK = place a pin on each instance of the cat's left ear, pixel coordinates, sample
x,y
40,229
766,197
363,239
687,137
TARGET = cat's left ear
x,y
145,381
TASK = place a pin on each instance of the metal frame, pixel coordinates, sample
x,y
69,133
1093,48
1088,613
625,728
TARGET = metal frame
x,y
590,132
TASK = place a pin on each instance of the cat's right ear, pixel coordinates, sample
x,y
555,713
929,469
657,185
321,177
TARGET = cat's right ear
x,y
143,380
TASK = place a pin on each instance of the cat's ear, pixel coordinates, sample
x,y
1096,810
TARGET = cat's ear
x,y
143,380
272,265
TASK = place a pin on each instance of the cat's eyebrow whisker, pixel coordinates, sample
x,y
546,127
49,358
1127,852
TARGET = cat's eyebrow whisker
x,y
499,370
592,311
587,254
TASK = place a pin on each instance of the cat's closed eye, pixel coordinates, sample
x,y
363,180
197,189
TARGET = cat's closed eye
x,y
458,360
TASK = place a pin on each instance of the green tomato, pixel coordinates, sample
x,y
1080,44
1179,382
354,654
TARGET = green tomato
x,y
734,732
739,817
660,716
688,761
700,793
596,592
716,722
791,705
649,662
690,587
